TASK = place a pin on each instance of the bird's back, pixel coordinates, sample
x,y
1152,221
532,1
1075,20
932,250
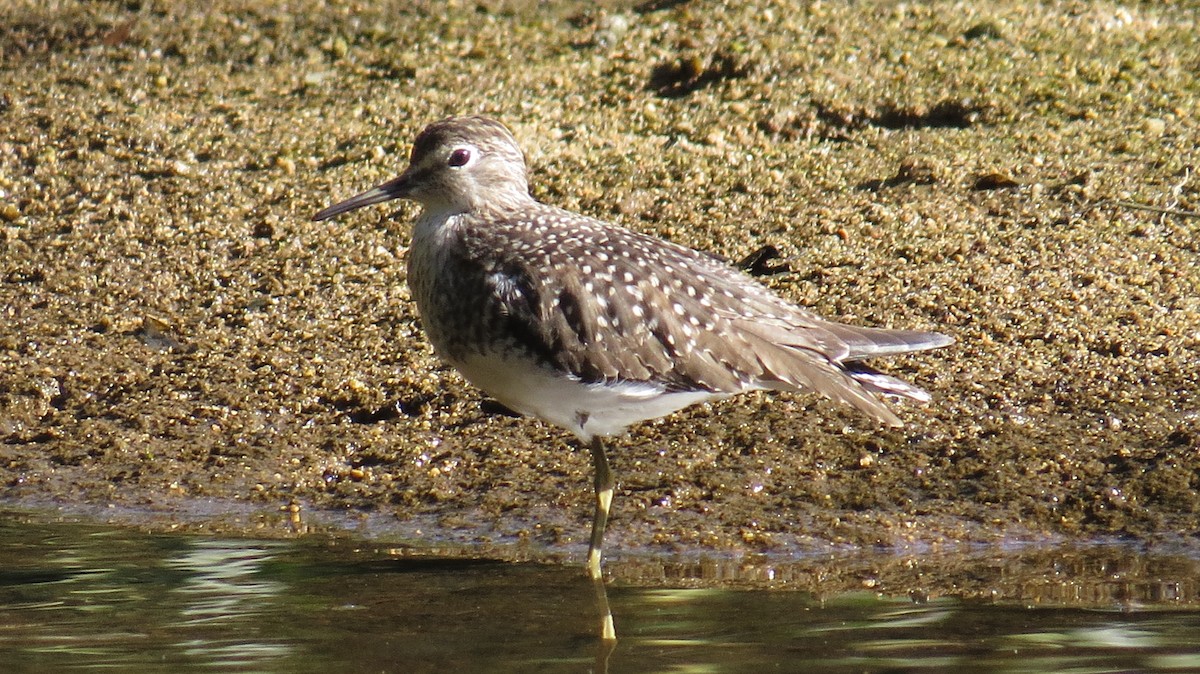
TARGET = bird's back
x,y
606,306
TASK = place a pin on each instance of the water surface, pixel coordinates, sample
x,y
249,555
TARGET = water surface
x,y
81,596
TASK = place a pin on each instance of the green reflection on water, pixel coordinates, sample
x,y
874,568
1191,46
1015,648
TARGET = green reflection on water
x,y
81,596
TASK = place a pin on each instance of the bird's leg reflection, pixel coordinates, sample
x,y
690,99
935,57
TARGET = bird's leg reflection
x,y
608,634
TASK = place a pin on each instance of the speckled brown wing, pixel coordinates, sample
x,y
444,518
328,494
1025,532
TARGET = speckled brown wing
x,y
621,306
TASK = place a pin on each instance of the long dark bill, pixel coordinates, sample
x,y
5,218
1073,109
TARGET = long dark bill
x,y
397,188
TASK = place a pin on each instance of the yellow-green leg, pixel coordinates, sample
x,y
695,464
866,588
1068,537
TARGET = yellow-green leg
x,y
604,496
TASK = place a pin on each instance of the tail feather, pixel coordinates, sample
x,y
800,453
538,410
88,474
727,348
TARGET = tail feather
x,y
885,385
793,368
823,357
872,342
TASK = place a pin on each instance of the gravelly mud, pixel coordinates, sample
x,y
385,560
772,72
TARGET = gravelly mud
x,y
177,332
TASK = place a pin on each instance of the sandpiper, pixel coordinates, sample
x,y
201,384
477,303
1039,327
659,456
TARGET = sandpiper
x,y
593,327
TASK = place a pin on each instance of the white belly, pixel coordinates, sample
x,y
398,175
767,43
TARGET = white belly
x,y
584,409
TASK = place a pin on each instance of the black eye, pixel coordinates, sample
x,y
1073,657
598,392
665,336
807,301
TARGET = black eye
x,y
459,157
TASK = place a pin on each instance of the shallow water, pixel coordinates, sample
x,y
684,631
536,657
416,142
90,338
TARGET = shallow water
x,y
97,597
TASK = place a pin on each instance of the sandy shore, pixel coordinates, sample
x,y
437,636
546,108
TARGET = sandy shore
x,y
177,332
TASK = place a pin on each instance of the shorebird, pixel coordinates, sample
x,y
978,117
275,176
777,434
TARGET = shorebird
x,y
593,327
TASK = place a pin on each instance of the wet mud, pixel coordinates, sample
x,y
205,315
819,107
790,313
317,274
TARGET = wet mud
x,y
176,332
